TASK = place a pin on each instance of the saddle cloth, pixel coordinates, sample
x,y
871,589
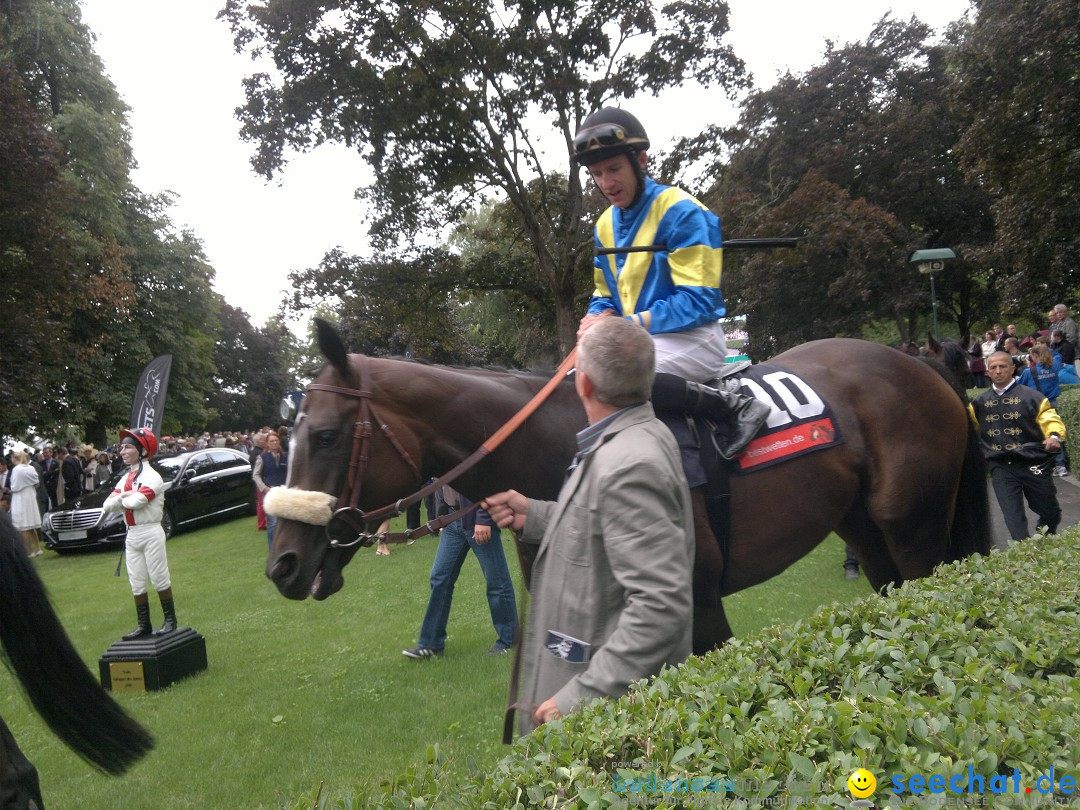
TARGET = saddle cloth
x,y
801,421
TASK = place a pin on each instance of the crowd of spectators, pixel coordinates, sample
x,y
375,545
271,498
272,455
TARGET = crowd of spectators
x,y
1059,337
67,469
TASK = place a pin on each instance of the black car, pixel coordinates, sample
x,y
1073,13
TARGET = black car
x,y
201,485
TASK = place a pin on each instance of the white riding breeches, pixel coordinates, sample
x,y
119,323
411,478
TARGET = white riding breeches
x,y
146,560
696,355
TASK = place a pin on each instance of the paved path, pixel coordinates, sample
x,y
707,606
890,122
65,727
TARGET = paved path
x,y
1068,492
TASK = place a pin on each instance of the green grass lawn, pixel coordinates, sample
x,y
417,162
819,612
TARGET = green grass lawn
x,y
299,693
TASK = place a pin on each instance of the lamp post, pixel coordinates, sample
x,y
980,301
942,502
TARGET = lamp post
x,y
929,262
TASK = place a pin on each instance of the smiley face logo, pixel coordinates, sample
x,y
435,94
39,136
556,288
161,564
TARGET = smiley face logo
x,y
861,783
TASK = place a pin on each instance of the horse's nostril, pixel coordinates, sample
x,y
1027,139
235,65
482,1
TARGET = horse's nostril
x,y
283,567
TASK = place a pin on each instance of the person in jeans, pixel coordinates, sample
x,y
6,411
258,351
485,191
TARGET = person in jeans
x,y
475,531
271,470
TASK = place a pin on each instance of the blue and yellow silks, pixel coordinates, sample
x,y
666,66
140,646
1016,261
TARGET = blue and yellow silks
x,y
679,286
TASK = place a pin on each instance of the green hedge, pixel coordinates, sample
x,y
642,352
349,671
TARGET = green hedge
x,y
1068,408
974,667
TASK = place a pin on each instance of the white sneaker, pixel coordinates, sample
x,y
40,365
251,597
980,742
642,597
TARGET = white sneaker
x,y
1060,472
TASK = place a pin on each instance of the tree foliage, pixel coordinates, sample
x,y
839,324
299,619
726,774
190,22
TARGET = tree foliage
x,y
873,120
453,100
252,371
97,279
1018,83
400,306
851,257
36,263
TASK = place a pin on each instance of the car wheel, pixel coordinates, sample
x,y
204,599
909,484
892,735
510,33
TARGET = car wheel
x,y
168,524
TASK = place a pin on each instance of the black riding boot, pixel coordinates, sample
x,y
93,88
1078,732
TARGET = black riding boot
x,y
144,629
168,607
738,417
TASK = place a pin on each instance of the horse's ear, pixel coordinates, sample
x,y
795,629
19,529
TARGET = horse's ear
x,y
331,346
932,345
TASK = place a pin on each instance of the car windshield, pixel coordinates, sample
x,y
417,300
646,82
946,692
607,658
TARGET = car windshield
x,y
169,467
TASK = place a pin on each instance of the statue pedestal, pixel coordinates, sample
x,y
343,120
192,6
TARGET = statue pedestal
x,y
152,662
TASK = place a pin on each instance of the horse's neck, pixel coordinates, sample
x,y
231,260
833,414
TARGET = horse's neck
x,y
452,412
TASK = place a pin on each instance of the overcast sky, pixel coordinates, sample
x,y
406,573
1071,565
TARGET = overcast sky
x,y
174,65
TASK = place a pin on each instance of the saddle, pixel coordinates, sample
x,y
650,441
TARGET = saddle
x,y
800,422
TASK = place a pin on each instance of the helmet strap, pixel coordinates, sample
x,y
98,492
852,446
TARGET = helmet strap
x,y
639,173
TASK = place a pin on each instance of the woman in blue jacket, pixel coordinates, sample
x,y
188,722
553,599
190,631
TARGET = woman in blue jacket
x,y
1042,375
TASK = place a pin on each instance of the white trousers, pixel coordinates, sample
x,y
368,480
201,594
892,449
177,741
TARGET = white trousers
x,y
696,355
146,560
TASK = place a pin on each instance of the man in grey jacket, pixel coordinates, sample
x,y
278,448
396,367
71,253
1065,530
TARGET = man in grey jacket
x,y
611,583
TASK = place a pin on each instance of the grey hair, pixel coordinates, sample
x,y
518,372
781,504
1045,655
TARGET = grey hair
x,y
618,357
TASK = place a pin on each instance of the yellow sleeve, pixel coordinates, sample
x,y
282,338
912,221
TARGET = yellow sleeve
x,y
1049,421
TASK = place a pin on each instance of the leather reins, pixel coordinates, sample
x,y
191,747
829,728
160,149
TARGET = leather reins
x,y
349,515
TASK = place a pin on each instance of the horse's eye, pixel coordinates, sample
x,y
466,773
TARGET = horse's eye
x,y
325,438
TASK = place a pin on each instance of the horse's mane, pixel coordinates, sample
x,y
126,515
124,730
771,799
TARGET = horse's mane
x,y
528,372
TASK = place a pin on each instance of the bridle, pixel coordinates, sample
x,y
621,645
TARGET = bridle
x,y
348,511
348,514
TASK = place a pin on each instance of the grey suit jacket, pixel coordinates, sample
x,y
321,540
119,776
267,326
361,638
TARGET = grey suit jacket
x,y
613,571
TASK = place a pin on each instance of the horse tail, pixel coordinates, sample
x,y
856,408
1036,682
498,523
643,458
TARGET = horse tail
x,y
58,683
970,531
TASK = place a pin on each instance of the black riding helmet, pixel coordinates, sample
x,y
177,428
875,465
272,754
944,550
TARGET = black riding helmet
x,y
609,132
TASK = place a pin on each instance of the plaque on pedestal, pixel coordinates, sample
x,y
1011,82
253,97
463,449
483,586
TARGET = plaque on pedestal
x,y
152,662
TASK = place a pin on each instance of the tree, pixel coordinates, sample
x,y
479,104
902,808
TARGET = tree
x,y
834,283
36,262
393,307
104,281
252,371
874,119
1018,83
176,312
451,100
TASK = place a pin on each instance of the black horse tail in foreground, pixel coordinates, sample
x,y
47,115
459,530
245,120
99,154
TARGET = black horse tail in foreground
x,y
60,686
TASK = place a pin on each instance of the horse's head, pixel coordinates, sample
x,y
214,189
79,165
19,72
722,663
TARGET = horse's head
x,y
952,357
344,457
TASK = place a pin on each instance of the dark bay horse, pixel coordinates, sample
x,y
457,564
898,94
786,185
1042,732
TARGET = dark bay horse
x,y
64,692
906,488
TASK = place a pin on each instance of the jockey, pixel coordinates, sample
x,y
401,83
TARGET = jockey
x,y
140,496
672,289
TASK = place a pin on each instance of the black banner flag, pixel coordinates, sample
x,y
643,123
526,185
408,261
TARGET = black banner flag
x,y
149,404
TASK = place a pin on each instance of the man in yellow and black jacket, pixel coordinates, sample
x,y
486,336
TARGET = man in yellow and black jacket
x,y
1020,434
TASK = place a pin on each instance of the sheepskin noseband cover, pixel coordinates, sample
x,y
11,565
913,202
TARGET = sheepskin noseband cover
x,y
305,506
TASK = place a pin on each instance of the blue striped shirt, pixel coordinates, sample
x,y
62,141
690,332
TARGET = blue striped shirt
x,y
680,285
